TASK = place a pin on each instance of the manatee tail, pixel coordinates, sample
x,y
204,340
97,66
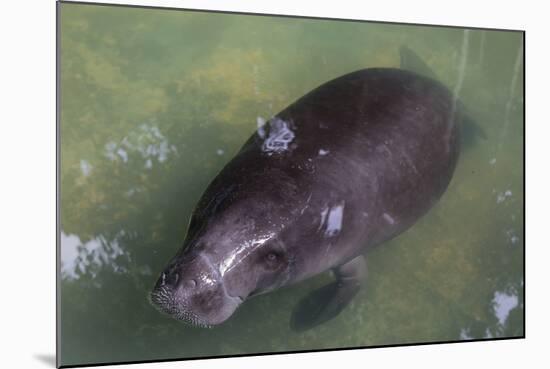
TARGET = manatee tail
x,y
471,130
409,60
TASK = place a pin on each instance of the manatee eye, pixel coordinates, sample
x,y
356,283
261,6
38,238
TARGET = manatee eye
x,y
273,259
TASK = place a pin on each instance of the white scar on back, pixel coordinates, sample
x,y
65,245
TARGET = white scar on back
x,y
388,218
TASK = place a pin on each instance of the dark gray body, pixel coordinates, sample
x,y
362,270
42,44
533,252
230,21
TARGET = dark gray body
x,y
346,167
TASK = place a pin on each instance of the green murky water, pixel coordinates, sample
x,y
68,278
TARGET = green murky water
x,y
154,103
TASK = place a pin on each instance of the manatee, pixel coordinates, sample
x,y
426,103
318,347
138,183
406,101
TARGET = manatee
x,y
348,166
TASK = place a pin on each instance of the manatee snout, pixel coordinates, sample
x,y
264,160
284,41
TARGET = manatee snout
x,y
192,290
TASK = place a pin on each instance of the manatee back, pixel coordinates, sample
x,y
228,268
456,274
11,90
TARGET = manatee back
x,y
351,164
393,139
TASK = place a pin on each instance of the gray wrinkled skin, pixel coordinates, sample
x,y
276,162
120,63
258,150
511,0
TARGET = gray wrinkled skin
x,y
349,165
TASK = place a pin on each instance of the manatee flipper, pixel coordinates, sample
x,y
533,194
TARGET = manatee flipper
x,y
328,301
471,130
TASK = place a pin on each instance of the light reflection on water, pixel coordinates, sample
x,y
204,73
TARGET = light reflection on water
x,y
148,120
146,140
503,304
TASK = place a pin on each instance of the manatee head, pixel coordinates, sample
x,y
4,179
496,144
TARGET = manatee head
x,y
232,251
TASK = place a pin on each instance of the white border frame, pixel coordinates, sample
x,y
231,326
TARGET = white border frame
x,y
28,185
